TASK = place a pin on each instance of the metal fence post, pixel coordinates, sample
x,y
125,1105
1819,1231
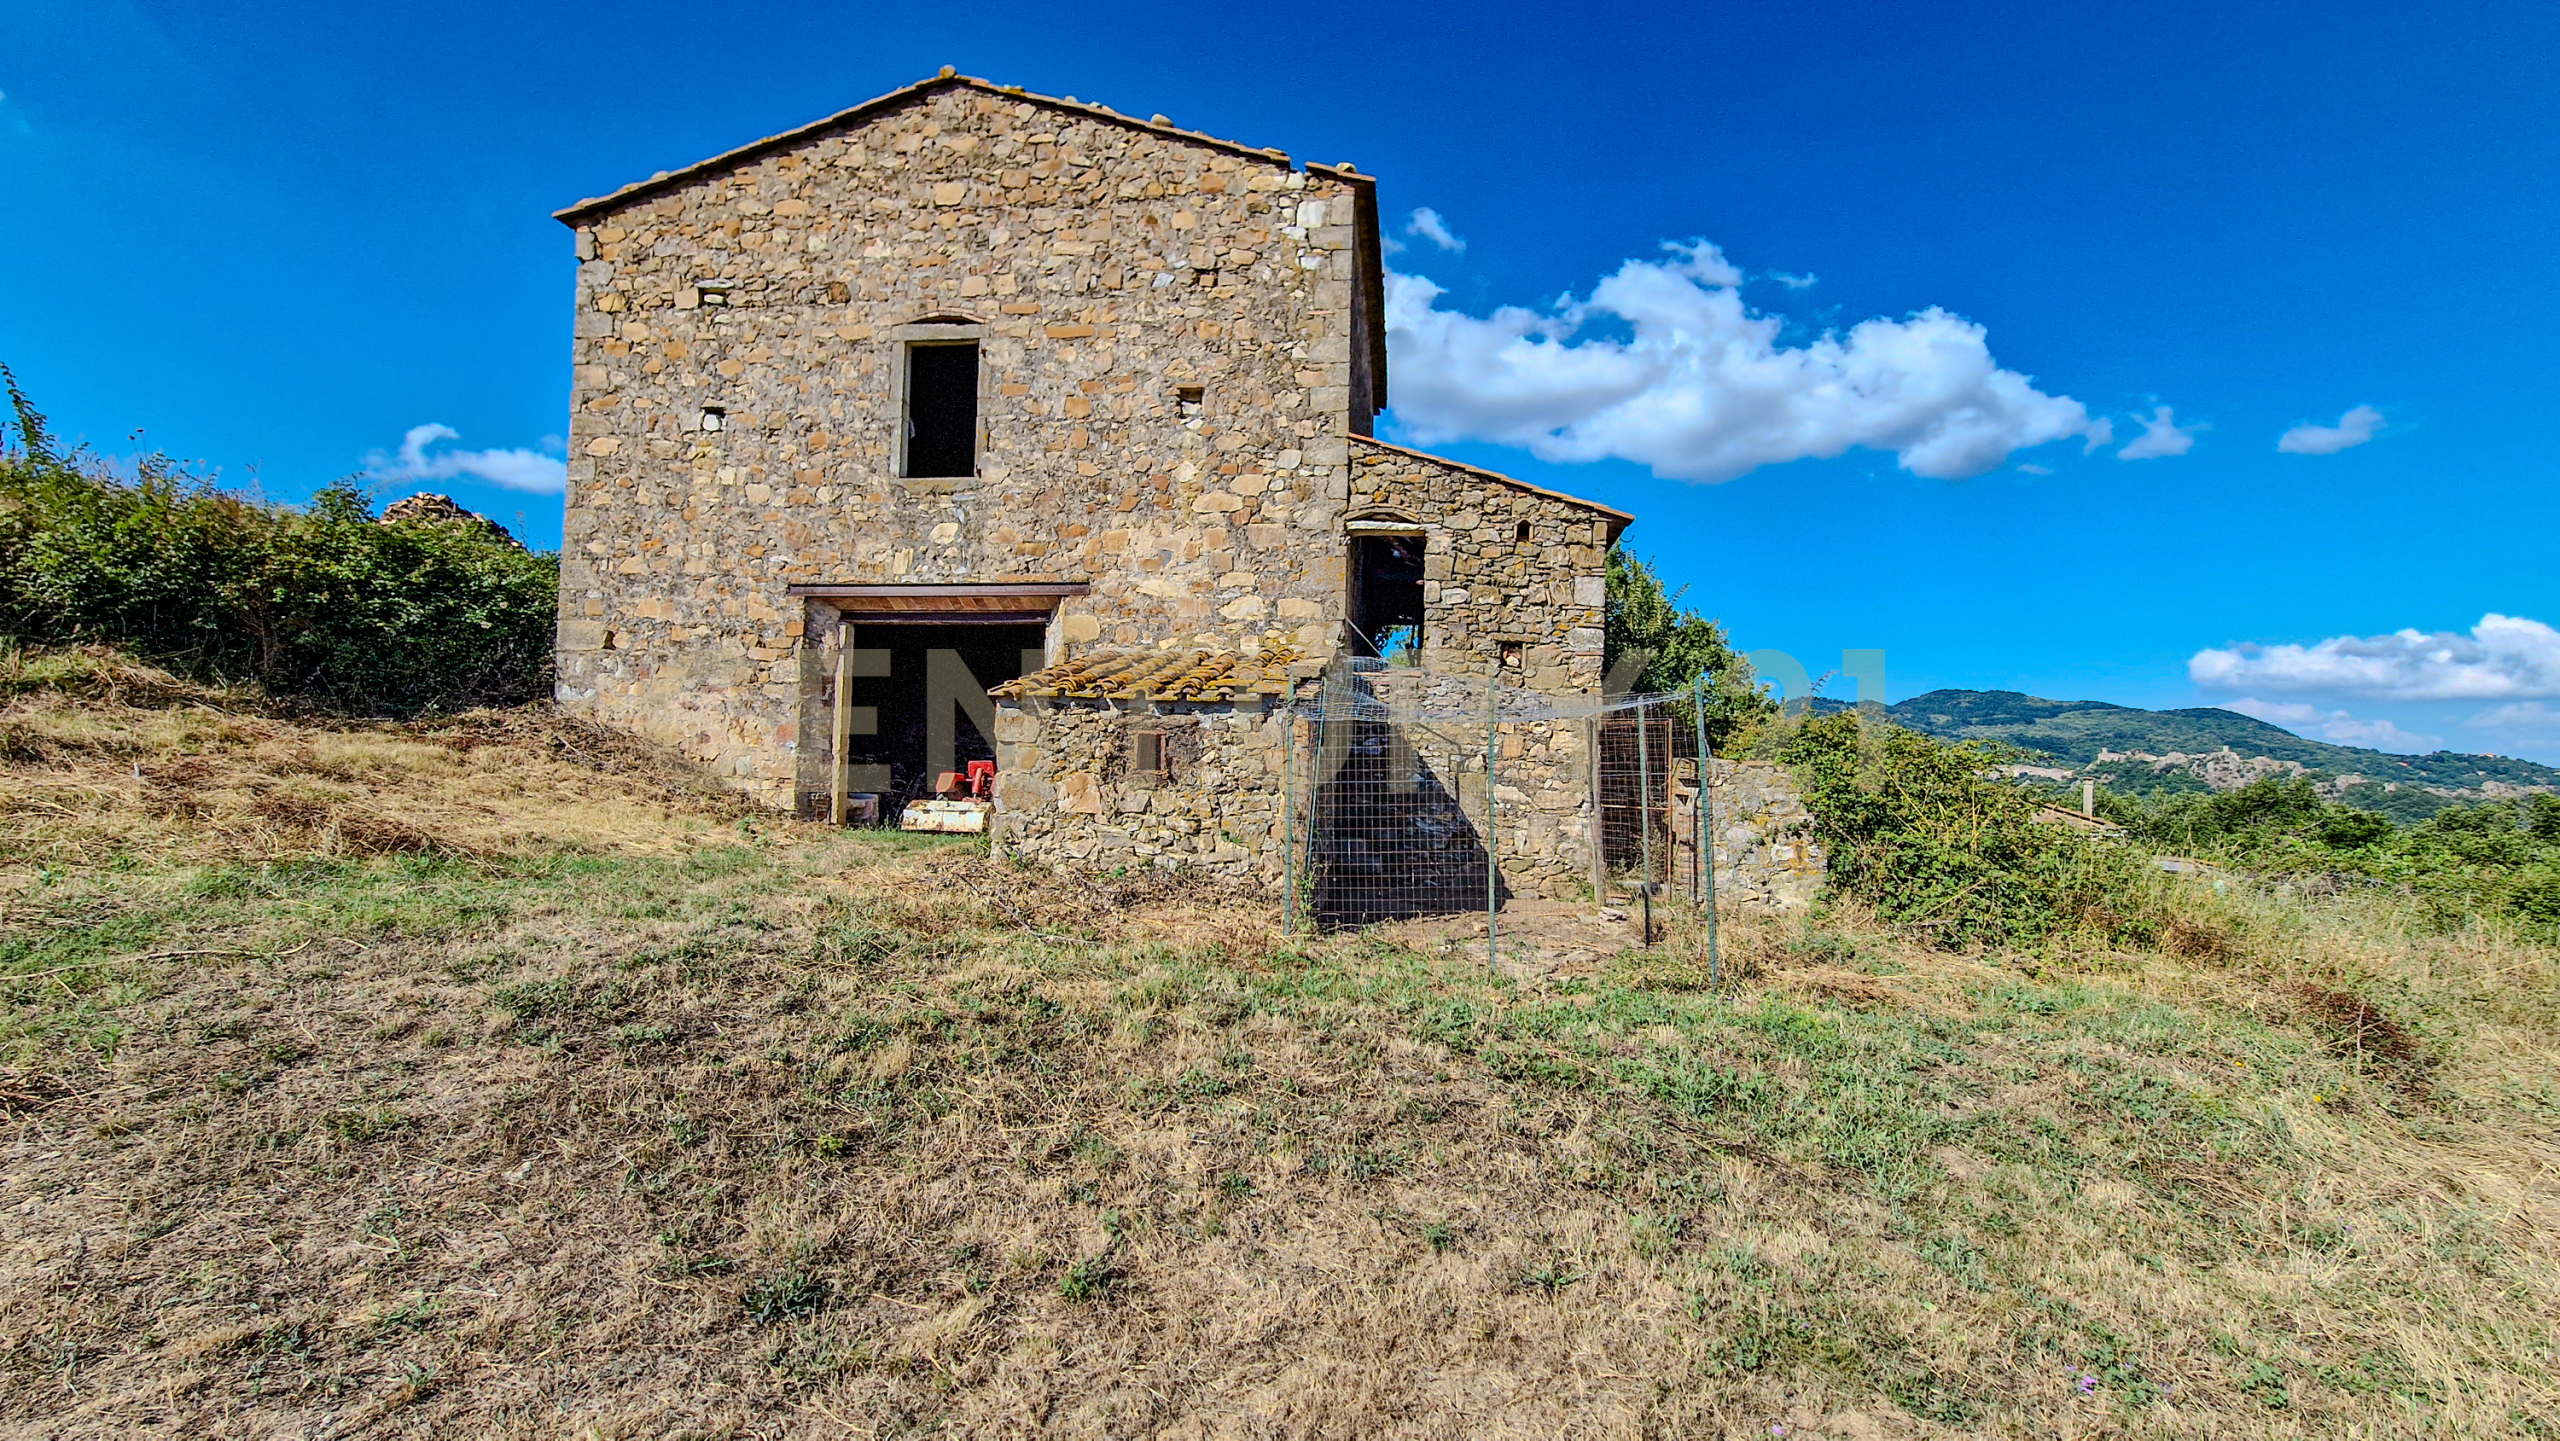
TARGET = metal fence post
x,y
1644,789
1492,875
1289,819
1707,835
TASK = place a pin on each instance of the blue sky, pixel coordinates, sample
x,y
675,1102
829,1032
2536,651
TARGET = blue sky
x,y
279,238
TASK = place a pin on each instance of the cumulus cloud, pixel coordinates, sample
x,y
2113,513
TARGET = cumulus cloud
x,y
417,461
2353,429
2161,436
2503,658
2335,725
1689,380
1426,222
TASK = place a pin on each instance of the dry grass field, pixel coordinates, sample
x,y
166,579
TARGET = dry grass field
x,y
498,1078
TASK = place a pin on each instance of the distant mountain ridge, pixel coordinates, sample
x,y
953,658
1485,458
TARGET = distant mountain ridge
x,y
2148,750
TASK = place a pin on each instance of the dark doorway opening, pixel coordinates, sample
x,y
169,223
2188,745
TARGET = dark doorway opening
x,y
937,676
1386,592
942,410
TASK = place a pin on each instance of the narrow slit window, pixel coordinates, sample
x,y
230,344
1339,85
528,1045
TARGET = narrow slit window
x,y
942,410
1147,753
1524,532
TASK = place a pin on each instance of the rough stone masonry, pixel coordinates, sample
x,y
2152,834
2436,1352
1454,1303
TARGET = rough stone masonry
x,y
1179,350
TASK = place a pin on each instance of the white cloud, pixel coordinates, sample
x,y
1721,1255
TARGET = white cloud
x,y
2503,658
2035,469
2353,429
1426,222
514,469
2161,436
1794,282
2336,725
2522,715
1701,389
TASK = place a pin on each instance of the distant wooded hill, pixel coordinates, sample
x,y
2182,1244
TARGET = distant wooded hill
x,y
2070,735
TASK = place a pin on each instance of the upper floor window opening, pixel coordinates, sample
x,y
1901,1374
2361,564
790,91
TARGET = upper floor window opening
x,y
942,409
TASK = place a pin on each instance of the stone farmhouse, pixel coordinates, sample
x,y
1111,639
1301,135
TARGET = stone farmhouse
x,y
967,390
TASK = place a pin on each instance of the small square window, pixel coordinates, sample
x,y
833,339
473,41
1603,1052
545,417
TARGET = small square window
x,y
1511,655
1205,279
712,292
1524,532
1188,399
714,418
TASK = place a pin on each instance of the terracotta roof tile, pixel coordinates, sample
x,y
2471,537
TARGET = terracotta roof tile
x,y
1194,675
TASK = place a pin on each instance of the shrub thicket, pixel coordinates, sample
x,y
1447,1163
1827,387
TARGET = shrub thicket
x,y
1916,829
2496,858
320,603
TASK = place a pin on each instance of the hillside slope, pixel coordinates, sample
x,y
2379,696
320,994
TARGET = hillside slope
x,y
2072,735
576,1103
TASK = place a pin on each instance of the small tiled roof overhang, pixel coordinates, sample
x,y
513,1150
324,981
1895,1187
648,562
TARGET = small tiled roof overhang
x,y
1195,675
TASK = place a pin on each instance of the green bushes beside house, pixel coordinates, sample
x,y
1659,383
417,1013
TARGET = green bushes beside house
x,y
321,603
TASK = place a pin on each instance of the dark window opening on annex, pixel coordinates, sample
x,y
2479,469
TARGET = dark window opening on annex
x,y
942,410
1386,592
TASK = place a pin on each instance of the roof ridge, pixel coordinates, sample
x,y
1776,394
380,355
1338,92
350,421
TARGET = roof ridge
x,y
672,179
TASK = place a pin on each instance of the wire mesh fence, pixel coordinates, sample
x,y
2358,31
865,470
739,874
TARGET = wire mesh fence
x,y
1416,793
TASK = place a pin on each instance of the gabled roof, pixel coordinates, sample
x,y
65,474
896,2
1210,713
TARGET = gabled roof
x,y
666,180
1618,519
1177,675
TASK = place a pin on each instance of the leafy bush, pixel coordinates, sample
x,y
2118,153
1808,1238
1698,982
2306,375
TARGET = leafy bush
x,y
1645,620
2259,817
320,603
2497,858
1915,829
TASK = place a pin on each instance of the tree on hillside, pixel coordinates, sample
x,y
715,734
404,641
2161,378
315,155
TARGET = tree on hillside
x,y
1645,621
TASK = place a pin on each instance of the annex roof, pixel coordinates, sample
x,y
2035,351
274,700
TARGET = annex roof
x,y
666,180
1178,675
1618,519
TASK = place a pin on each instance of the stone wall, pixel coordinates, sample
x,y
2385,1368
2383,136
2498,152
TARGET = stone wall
x,y
1178,359
1107,266
1766,854
1485,585
1068,797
